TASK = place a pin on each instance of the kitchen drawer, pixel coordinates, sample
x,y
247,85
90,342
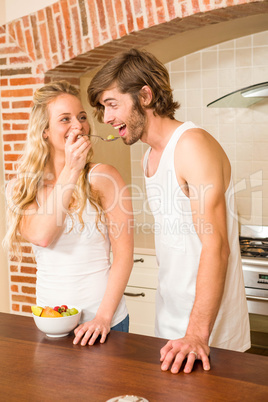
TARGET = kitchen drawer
x,y
141,308
144,272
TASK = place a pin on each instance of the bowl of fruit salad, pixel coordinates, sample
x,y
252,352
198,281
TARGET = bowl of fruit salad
x,y
56,321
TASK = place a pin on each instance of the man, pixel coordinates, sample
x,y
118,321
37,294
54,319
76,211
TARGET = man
x,y
200,297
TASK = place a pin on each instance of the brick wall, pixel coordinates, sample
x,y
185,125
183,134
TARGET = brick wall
x,y
67,39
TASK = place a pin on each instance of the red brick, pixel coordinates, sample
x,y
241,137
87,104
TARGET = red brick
x,y
160,12
171,10
30,44
11,30
93,23
18,147
11,157
2,39
27,309
15,116
9,176
8,166
45,44
67,26
104,36
7,147
140,22
36,38
77,30
129,16
122,30
149,12
26,22
101,14
19,34
14,288
137,7
25,299
83,16
40,69
16,71
40,15
22,279
21,104
111,19
27,249
17,126
15,307
51,30
5,105
26,81
28,289
28,270
16,92
207,4
6,126
14,137
118,11
61,40
28,260
10,50
4,82
20,59
56,7
55,60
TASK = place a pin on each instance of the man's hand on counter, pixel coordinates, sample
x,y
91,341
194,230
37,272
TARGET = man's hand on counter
x,y
176,351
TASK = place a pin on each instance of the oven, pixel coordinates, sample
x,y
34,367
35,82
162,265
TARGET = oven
x,y
254,253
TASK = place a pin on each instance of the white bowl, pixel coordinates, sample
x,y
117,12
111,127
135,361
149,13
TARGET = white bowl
x,y
57,326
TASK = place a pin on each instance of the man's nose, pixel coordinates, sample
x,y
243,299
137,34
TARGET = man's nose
x,y
107,116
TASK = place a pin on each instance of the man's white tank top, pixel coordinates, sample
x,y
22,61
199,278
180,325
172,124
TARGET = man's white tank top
x,y
178,250
74,269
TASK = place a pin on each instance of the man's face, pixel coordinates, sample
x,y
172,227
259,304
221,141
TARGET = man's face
x,y
120,112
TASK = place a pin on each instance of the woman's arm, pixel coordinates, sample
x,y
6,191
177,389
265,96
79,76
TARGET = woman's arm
x,y
54,201
117,205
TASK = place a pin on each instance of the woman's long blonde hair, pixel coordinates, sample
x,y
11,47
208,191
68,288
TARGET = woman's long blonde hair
x,y
32,164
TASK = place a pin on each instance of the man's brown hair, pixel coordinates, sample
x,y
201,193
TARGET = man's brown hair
x,y
130,71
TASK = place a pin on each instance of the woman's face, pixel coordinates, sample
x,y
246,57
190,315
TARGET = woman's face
x,y
66,113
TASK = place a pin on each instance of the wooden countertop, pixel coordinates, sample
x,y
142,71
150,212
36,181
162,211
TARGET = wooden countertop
x,y
34,367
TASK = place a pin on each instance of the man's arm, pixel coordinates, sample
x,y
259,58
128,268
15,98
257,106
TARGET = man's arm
x,y
204,167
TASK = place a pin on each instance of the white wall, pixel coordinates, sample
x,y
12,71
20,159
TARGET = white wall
x,y
13,9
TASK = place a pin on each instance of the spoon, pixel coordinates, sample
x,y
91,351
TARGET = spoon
x,y
103,139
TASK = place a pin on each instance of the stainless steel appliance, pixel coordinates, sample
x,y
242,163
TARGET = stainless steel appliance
x,y
254,252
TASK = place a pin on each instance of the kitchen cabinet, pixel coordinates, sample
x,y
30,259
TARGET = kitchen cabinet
x,y
140,294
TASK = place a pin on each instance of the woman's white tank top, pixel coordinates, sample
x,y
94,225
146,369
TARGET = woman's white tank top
x,y
74,269
178,249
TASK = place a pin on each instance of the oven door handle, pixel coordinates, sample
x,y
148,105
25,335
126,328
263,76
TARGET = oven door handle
x,y
257,298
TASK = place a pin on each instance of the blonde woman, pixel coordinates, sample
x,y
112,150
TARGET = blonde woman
x,y
72,210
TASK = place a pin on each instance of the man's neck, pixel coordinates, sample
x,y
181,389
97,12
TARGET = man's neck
x,y
159,131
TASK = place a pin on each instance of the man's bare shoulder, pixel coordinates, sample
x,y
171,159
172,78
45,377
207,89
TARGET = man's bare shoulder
x,y
198,143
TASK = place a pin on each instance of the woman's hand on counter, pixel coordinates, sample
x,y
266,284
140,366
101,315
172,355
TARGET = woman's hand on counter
x,y
89,331
176,351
